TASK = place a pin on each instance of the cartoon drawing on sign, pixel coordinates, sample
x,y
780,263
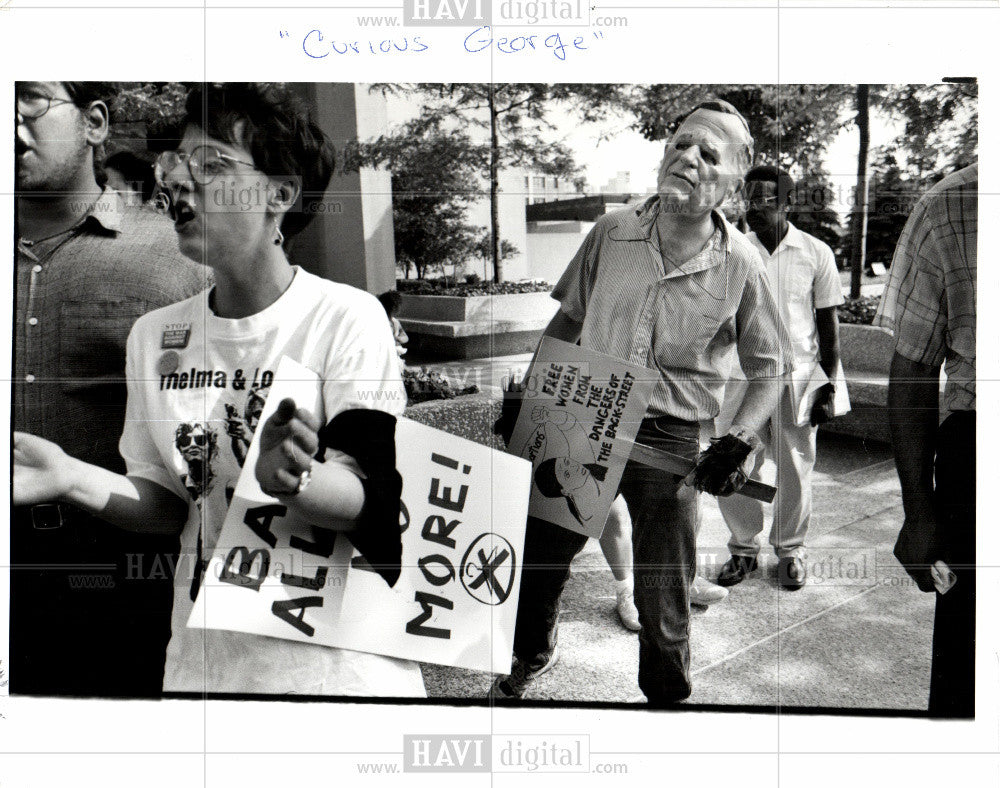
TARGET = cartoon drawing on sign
x,y
574,481
198,445
565,463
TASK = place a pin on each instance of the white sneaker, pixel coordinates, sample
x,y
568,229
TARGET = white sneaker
x,y
627,611
706,593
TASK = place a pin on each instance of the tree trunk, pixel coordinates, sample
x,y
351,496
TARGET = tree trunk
x,y
494,188
859,218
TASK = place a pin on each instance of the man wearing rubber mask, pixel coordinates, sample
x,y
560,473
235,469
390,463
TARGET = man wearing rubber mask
x,y
672,286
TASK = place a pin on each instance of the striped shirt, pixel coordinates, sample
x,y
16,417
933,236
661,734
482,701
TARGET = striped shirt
x,y
930,300
683,322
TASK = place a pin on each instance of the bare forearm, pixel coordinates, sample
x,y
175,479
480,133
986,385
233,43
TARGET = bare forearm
x,y
913,420
828,331
333,499
130,503
759,402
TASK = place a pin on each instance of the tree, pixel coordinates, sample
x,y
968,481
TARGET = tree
x,y
433,172
859,213
483,248
791,124
893,196
810,210
940,126
940,135
141,109
513,119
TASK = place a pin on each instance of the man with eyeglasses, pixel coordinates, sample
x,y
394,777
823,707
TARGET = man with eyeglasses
x,y
89,603
802,274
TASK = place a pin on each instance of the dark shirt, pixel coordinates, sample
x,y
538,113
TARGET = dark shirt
x,y
77,297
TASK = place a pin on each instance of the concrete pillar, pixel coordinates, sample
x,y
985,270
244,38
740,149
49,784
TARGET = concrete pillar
x,y
351,239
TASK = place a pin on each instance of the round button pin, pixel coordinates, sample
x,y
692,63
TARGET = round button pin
x,y
169,362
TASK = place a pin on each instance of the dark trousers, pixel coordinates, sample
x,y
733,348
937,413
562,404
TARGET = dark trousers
x,y
89,606
953,666
664,517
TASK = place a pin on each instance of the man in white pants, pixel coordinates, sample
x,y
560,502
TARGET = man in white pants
x,y
802,274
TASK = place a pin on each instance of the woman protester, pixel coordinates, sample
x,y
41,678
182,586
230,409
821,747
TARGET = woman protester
x,y
182,446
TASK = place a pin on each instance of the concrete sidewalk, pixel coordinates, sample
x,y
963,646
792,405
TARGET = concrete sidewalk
x,y
858,636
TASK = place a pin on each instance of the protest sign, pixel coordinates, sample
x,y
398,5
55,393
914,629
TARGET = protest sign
x,y
580,413
462,517
464,512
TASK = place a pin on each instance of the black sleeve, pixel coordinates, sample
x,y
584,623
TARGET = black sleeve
x,y
369,436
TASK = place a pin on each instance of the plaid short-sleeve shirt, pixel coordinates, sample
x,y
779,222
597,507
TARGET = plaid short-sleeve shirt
x,y
682,322
930,300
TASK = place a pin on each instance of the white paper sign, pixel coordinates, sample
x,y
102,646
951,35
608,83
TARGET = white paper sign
x,y
579,417
805,390
463,515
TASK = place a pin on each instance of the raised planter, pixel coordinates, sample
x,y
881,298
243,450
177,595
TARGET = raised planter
x,y
452,327
866,352
477,309
469,417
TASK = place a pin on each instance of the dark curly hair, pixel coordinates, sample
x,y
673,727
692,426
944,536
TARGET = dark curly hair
x,y
276,129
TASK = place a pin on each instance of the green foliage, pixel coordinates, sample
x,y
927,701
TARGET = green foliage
x,y
812,212
860,311
939,136
483,248
141,110
423,386
891,198
521,115
791,124
940,126
512,119
434,178
469,289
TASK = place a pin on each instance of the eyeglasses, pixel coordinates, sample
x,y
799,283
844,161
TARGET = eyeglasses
x,y
203,164
762,199
199,439
33,105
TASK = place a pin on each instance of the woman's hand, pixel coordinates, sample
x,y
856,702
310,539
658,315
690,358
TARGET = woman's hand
x,y
288,442
41,470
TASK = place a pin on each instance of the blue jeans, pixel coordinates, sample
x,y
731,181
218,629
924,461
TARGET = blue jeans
x,y
664,517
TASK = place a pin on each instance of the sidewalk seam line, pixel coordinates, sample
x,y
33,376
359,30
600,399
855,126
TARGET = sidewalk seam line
x,y
782,631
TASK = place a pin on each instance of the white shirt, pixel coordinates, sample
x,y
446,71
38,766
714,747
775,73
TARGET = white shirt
x,y
802,275
196,383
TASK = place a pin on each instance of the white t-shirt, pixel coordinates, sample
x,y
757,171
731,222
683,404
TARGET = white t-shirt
x,y
196,386
802,274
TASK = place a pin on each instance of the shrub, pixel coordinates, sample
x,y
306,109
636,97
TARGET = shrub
x,y
423,386
468,289
859,311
